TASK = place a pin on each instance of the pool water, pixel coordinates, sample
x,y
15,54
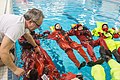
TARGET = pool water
x,y
67,12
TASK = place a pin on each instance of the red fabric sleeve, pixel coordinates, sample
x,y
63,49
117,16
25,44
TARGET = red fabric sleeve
x,y
53,36
71,32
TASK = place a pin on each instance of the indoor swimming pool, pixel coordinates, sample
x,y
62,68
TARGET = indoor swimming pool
x,y
67,12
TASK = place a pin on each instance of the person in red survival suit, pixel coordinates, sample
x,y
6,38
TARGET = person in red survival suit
x,y
85,37
66,43
36,65
105,28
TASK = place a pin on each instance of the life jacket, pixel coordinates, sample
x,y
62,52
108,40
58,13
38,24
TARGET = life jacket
x,y
111,33
98,72
115,69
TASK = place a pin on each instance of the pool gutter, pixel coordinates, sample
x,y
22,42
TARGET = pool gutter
x,y
5,8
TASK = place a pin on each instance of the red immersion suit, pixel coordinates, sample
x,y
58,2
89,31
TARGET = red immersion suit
x,y
86,40
42,62
67,45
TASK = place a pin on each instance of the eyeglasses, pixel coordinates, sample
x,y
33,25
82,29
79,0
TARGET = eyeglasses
x,y
38,25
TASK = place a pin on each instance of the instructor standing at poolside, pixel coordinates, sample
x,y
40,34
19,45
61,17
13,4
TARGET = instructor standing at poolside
x,y
13,27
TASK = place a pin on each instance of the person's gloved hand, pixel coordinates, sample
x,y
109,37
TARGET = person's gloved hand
x,y
113,28
46,32
116,35
100,34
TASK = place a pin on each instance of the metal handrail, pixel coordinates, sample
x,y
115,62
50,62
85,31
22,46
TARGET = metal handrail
x,y
6,7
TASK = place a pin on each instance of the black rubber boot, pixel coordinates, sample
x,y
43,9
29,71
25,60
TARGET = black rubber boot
x,y
102,51
91,63
107,58
108,55
105,53
99,61
79,76
116,55
82,65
